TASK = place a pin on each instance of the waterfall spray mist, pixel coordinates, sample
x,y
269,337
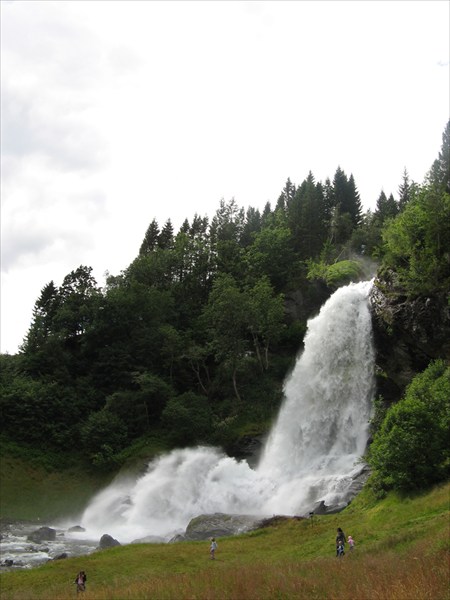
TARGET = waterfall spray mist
x,y
311,455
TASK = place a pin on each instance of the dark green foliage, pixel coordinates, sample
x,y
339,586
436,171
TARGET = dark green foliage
x,y
204,323
187,418
306,215
346,203
165,238
404,191
265,316
272,255
410,451
387,208
39,412
103,435
439,175
252,226
417,242
379,414
226,318
150,241
43,314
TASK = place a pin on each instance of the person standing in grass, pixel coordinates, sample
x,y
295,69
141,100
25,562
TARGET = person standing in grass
x,y
213,548
80,580
351,543
340,537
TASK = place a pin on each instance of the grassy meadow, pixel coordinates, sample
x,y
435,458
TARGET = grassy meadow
x,y
402,553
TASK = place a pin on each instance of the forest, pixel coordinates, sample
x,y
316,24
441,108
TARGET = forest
x,y
192,341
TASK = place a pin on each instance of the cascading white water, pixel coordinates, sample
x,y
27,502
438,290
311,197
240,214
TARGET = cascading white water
x,y
311,455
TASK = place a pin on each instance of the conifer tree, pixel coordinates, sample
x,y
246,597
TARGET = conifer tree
x,y
355,206
439,175
165,238
404,191
252,226
150,241
43,314
287,195
386,208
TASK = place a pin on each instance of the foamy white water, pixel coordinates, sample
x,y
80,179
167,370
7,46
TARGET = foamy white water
x,y
311,455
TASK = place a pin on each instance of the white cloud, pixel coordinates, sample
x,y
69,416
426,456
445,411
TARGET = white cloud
x,y
114,113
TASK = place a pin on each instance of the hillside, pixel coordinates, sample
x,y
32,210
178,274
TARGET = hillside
x,y
401,554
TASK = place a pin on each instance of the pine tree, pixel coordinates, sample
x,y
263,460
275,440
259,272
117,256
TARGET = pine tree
x,y
307,218
287,195
150,242
387,208
404,191
165,238
43,314
266,215
252,226
354,203
439,175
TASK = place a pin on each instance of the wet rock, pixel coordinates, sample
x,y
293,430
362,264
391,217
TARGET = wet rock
x,y
300,305
177,538
42,534
247,447
357,483
323,509
7,563
61,556
220,525
107,541
408,333
76,528
277,519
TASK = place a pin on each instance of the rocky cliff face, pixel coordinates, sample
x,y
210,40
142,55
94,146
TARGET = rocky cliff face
x,y
408,334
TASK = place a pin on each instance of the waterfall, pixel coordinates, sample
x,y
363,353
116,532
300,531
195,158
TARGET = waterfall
x,y
312,453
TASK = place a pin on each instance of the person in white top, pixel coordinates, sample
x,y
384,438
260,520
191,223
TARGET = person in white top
x,y
213,548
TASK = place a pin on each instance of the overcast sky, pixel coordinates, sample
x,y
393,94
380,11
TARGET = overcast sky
x,y
115,113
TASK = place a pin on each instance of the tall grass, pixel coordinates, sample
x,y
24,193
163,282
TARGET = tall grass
x,y
402,553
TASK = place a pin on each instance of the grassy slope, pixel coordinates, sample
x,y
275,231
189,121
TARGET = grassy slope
x,y
402,554
30,491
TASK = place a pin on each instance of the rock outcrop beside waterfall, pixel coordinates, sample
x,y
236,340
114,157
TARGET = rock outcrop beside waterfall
x,y
408,334
204,527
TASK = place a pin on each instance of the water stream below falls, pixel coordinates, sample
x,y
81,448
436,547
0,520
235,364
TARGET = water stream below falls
x,y
311,456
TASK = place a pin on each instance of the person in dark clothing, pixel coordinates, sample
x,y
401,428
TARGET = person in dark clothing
x,y
340,539
80,580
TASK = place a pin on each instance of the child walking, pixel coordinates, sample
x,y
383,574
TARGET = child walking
x,y
351,543
213,548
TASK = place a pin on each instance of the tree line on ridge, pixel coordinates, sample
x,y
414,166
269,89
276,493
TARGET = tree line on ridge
x,y
192,341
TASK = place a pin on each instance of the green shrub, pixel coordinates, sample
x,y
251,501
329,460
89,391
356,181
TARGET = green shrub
x,y
342,272
102,436
187,418
410,451
335,275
